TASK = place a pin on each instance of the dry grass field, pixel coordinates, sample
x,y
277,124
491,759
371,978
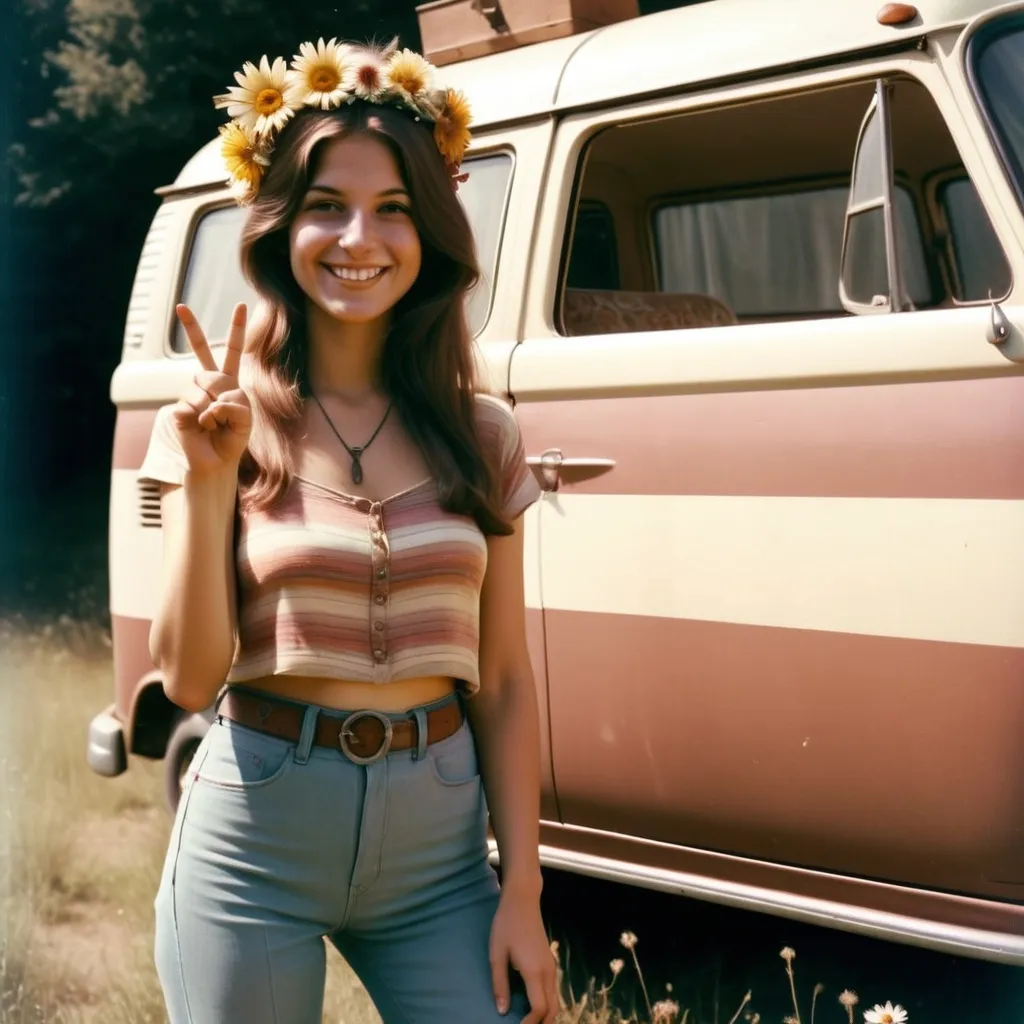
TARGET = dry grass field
x,y
80,858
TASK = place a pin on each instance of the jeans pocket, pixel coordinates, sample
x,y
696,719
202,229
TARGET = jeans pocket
x,y
453,761
240,758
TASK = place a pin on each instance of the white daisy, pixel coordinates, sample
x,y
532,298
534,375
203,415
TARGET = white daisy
x,y
887,1014
322,75
259,103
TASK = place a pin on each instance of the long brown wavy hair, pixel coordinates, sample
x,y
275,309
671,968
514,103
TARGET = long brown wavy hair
x,y
427,360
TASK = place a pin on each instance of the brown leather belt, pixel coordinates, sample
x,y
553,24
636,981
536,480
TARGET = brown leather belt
x,y
362,736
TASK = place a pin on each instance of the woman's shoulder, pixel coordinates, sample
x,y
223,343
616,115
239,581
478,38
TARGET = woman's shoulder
x,y
493,413
499,432
496,424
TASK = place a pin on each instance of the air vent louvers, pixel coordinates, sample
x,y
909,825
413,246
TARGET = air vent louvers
x,y
149,504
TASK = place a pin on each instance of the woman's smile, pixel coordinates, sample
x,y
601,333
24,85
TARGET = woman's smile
x,y
355,276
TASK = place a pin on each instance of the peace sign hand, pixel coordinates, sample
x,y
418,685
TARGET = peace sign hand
x,y
213,419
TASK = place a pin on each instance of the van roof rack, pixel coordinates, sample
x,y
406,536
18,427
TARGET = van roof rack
x,y
455,30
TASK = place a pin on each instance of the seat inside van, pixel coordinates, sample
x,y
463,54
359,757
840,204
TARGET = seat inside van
x,y
605,311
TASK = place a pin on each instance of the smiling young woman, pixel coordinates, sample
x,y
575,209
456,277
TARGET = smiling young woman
x,y
343,574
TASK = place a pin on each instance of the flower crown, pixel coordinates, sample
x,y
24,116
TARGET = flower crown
x,y
325,76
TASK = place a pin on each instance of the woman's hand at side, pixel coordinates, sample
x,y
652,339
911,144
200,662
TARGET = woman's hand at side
x,y
518,939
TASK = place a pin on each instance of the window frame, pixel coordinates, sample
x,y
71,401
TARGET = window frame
x,y
577,131
986,31
217,199
947,261
879,116
577,127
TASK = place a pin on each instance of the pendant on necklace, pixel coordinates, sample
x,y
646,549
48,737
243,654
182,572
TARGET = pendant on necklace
x,y
357,469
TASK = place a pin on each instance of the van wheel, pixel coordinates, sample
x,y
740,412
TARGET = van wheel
x,y
181,748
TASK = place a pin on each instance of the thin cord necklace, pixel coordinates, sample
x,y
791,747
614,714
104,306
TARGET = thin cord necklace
x,y
357,452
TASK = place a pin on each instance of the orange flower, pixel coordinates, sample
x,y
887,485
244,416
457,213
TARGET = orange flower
x,y
243,156
451,130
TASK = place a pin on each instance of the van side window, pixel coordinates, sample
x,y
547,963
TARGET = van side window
x,y
977,257
718,247
737,215
213,281
594,260
485,199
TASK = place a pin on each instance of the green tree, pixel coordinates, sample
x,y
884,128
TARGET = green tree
x,y
128,84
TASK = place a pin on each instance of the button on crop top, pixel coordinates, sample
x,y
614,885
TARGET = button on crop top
x,y
336,586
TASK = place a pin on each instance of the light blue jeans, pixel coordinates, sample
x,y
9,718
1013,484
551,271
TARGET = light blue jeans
x,y
278,845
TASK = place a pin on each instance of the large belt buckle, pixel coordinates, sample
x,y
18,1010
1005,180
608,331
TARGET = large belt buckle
x,y
347,734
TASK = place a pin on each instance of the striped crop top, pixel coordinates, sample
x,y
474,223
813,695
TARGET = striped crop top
x,y
336,586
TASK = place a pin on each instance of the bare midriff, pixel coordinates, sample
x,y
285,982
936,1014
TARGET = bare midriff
x,y
348,695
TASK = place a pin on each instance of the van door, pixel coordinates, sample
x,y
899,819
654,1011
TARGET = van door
x,y
781,562
506,170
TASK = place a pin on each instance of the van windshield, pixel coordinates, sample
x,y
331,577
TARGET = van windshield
x,y
997,62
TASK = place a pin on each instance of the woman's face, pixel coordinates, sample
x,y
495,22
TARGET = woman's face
x,y
354,248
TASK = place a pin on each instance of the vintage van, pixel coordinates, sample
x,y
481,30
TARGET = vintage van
x,y
755,287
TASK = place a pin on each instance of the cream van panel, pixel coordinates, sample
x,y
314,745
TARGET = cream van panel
x,y
699,43
135,551
916,568
155,283
515,84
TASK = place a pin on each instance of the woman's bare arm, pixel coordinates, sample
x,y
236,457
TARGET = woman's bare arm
x,y
192,638
506,726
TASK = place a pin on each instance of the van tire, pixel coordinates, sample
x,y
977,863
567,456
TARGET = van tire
x,y
186,736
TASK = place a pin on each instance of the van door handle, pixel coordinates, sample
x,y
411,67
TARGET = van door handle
x,y
552,463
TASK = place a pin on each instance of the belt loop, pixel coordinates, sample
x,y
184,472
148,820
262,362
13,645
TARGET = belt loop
x,y
307,735
221,694
420,717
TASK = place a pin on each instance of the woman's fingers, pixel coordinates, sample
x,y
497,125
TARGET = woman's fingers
x,y
233,415
499,977
198,396
236,342
196,338
541,1010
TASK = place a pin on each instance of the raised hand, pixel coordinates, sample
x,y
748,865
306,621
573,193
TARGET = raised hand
x,y
213,418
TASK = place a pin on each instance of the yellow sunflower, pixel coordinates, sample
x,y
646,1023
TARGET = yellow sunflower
x,y
451,130
321,75
243,155
409,75
259,103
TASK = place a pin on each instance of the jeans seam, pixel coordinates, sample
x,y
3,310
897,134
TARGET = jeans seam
x,y
174,886
395,1002
385,818
270,977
